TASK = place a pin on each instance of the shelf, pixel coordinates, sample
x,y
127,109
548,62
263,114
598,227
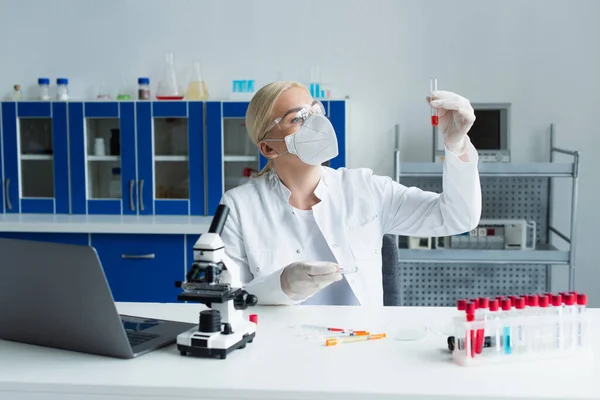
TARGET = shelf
x,y
231,158
36,157
104,158
171,158
543,254
542,169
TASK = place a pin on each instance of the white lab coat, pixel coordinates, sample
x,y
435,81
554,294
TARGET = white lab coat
x,y
356,209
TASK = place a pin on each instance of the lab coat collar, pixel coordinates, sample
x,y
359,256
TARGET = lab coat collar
x,y
285,193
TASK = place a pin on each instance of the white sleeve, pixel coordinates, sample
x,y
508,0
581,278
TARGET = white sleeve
x,y
266,288
410,211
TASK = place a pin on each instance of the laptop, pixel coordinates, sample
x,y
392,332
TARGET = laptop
x,y
56,295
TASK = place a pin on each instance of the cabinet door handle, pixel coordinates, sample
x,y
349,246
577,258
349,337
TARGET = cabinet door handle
x,y
141,197
6,188
131,203
139,256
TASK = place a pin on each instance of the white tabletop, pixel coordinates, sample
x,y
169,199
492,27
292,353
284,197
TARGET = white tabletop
x,y
281,365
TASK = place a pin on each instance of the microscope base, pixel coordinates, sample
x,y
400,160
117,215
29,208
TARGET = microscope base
x,y
216,345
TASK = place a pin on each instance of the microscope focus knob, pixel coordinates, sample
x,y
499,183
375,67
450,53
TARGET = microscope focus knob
x,y
252,300
244,300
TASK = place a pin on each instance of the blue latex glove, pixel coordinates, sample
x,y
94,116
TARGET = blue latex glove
x,y
456,117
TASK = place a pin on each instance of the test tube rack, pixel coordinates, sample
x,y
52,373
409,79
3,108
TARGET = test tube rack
x,y
519,335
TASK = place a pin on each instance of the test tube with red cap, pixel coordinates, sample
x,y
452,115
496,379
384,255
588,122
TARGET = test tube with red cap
x,y
494,316
481,315
470,334
506,330
557,312
544,337
581,309
569,329
434,111
520,314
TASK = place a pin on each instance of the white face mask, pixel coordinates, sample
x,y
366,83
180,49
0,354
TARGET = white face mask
x,y
314,143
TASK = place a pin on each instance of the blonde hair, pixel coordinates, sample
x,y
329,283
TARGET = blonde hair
x,y
260,110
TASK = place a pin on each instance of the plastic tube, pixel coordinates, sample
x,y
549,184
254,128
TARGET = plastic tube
x,y
581,310
434,111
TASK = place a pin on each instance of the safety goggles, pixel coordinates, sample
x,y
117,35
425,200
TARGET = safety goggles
x,y
293,119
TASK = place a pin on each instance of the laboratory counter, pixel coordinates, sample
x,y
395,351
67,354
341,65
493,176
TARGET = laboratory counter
x,y
130,224
281,364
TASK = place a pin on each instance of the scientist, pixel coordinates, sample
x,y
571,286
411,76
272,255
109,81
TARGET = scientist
x,y
293,227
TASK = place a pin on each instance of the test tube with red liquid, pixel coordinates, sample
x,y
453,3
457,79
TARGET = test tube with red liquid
x,y
434,111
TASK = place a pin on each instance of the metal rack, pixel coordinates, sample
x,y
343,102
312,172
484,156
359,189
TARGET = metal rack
x,y
508,189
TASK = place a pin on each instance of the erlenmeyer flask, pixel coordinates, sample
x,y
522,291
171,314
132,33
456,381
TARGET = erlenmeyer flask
x,y
197,88
167,86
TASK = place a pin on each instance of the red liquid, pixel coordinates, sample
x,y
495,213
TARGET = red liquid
x,y
434,120
169,97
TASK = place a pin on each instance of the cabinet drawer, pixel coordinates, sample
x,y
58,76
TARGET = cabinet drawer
x,y
80,239
142,268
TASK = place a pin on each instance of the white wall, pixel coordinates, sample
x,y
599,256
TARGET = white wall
x,y
541,55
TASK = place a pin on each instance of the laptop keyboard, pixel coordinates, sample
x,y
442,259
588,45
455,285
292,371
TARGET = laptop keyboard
x,y
137,338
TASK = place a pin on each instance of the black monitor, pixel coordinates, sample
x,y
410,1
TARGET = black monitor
x,y
490,130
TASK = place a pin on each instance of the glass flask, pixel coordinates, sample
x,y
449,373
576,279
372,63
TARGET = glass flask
x,y
197,87
167,86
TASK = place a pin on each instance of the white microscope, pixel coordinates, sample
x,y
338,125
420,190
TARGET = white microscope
x,y
222,328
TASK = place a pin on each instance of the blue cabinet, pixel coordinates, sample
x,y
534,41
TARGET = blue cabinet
x,y
170,149
35,157
103,158
142,268
130,157
143,158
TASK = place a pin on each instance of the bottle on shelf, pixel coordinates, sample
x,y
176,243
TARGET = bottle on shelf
x,y
114,188
143,88
197,87
16,94
62,89
44,87
168,88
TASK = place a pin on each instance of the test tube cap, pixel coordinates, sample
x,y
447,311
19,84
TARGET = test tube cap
x,y
470,308
544,301
484,302
475,302
254,318
506,304
520,304
569,299
557,300
494,305
582,299
461,304
533,300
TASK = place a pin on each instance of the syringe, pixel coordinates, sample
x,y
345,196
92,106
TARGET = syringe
x,y
326,329
434,111
352,339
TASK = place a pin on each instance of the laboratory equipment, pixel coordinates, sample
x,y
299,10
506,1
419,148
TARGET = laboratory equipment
x,y
197,87
143,88
493,234
242,89
115,142
16,94
434,111
353,339
168,87
326,329
222,328
44,89
348,269
114,188
62,89
518,333
422,243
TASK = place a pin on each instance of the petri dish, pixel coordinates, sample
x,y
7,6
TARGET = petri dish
x,y
349,269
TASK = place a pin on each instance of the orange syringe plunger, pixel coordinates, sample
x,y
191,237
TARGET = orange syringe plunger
x,y
434,111
352,339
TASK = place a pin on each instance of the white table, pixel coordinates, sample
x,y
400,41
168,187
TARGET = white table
x,y
280,365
